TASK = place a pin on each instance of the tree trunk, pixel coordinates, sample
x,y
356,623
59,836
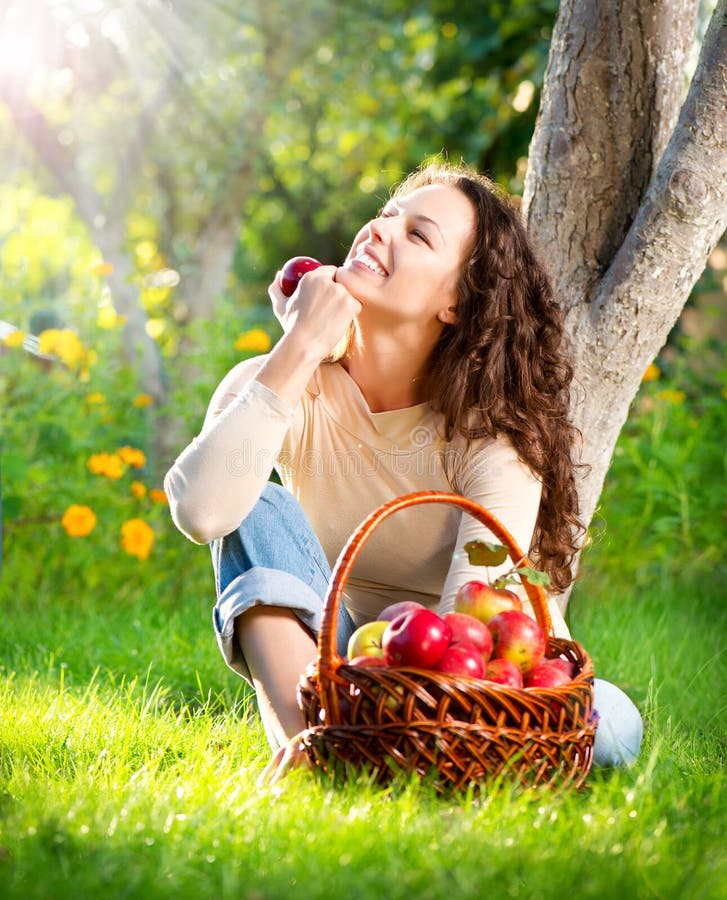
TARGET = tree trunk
x,y
626,225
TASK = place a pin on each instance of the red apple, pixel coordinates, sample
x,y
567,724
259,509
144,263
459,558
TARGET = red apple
x,y
417,638
462,659
546,674
366,640
517,637
483,601
367,661
389,613
293,270
468,630
502,671
567,665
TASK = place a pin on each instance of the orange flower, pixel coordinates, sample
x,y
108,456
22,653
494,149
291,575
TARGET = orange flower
x,y
78,521
157,495
14,339
132,457
138,489
101,268
254,341
652,372
109,464
142,400
137,538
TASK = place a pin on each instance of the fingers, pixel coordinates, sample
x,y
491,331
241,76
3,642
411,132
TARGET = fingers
x,y
286,758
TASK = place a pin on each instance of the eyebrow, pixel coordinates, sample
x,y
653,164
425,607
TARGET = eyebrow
x,y
420,217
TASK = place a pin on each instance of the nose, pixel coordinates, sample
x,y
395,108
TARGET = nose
x,y
379,230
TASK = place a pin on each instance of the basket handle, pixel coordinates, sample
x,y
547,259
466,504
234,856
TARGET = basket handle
x,y
328,659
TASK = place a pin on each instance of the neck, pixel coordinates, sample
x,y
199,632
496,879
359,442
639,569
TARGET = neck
x,y
389,375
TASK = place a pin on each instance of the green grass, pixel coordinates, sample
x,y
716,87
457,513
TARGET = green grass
x,y
129,754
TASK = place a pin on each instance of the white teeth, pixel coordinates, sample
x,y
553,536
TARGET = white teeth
x,y
370,262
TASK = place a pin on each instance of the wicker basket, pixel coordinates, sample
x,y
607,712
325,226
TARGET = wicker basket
x,y
454,730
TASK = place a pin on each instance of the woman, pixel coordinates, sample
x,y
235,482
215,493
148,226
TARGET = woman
x,y
431,359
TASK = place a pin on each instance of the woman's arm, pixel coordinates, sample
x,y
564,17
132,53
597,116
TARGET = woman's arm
x,y
219,476
496,479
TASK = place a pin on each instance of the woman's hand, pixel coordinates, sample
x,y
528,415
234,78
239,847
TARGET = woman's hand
x,y
286,758
319,312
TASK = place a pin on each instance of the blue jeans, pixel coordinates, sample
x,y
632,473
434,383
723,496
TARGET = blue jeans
x,y
275,559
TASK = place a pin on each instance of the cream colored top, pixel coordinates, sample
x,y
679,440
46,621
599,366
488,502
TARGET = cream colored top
x,y
341,461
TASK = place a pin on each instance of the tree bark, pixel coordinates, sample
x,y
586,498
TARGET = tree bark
x,y
628,242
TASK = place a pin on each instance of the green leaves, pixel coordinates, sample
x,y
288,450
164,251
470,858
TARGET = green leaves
x,y
483,553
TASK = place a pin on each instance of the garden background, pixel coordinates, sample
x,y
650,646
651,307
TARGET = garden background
x,y
166,156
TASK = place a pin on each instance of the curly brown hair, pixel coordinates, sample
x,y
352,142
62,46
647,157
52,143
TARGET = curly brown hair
x,y
503,367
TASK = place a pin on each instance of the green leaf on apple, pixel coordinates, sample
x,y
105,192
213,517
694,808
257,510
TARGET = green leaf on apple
x,y
534,576
483,553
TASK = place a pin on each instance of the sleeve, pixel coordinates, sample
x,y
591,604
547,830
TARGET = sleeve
x,y
219,476
497,479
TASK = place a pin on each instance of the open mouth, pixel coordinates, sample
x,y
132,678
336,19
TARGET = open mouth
x,y
366,259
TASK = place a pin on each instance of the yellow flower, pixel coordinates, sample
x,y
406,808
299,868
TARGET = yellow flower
x,y
101,268
15,338
108,318
132,457
78,521
138,489
652,372
64,344
142,400
137,538
109,464
672,396
254,341
95,398
157,495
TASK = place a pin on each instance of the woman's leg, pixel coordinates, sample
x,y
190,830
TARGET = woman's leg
x,y
271,576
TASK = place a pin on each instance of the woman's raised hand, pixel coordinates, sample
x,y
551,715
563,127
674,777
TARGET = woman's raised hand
x,y
320,310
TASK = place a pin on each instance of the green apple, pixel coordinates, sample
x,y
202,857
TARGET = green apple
x,y
366,640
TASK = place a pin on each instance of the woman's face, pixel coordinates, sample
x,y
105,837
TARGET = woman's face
x,y
404,266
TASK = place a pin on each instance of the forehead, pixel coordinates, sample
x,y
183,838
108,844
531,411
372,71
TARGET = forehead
x,y
446,205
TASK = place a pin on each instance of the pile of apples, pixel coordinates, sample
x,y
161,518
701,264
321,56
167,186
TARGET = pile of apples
x,y
488,636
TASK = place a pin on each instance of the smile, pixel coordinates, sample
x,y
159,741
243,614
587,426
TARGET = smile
x,y
363,257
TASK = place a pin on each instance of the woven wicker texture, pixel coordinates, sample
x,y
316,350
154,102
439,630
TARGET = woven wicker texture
x,y
455,730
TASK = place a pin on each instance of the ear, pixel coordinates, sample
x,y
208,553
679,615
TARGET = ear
x,y
448,315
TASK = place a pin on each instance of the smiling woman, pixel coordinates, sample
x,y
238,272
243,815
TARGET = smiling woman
x,y
453,377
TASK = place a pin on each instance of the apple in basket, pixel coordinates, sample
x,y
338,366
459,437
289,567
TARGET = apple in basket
x,y
517,637
417,638
502,671
366,640
293,270
483,601
389,613
462,659
546,674
468,630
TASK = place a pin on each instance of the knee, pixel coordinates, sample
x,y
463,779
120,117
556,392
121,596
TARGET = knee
x,y
620,727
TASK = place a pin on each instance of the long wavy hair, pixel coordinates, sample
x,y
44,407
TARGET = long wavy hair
x,y
503,367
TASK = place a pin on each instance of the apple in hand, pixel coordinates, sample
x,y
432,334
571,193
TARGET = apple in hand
x,y
417,638
462,659
502,671
517,637
389,613
468,630
546,674
366,640
483,601
293,270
